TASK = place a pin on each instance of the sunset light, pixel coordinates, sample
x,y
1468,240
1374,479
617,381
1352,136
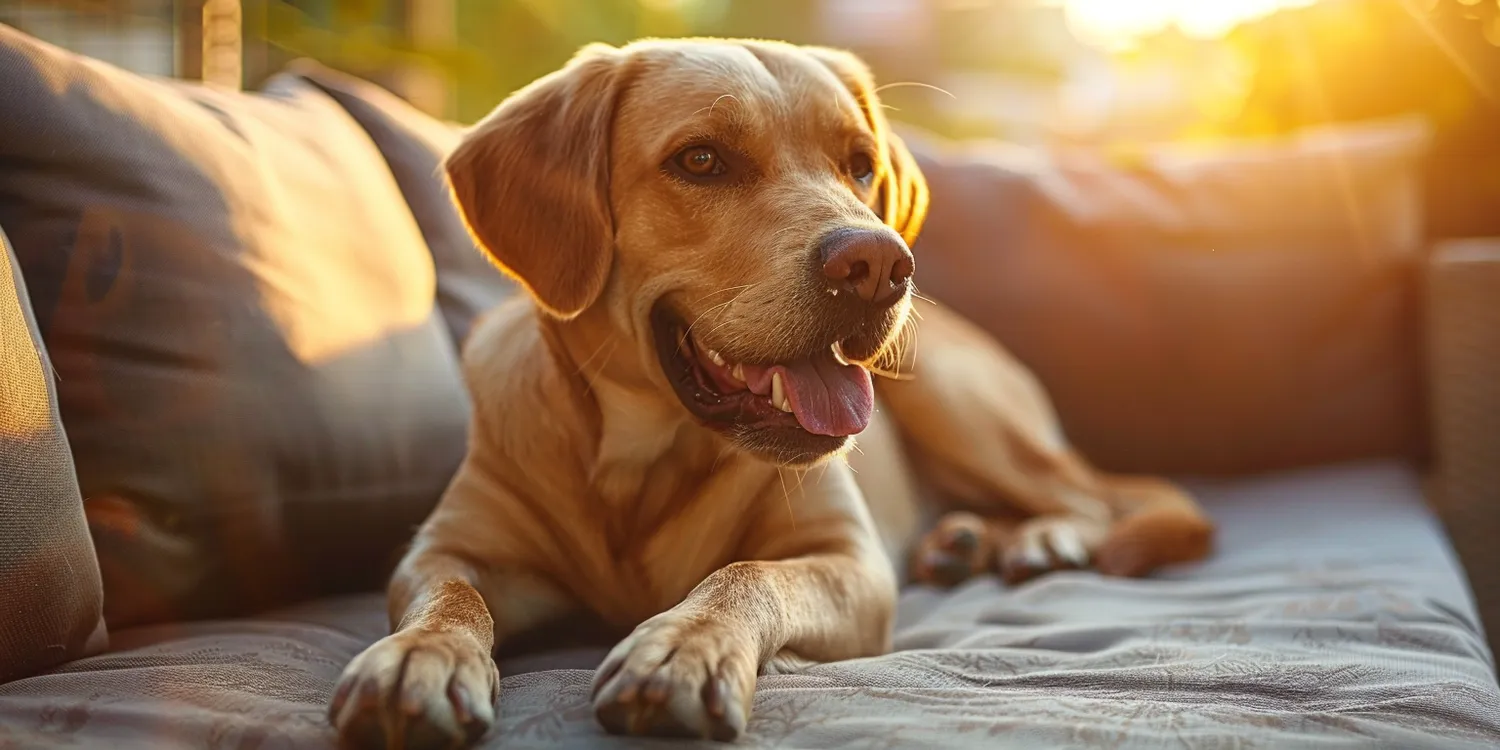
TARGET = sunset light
x,y
1118,21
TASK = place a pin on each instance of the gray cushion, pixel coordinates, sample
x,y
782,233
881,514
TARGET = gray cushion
x,y
260,395
1332,617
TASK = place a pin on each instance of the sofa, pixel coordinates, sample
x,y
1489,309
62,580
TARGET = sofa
x,y
230,333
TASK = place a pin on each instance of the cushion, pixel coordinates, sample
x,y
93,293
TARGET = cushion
x,y
49,577
1333,616
1247,307
414,145
261,397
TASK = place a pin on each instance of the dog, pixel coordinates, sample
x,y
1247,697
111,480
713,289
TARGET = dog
x,y
715,241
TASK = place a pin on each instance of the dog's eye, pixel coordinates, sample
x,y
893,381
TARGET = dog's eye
x,y
699,161
861,167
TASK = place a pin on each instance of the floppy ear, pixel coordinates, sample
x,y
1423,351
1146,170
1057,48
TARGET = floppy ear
x,y
532,182
902,191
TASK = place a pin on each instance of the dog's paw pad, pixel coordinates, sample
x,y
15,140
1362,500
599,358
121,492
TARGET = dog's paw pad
x,y
957,550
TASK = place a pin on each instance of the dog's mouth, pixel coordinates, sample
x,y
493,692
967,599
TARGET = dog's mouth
x,y
821,395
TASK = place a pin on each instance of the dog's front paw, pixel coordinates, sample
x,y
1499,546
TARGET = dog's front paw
x,y
677,676
416,689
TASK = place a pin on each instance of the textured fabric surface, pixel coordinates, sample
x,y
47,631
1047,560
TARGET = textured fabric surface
x,y
261,398
1255,307
1332,617
414,145
50,596
1463,335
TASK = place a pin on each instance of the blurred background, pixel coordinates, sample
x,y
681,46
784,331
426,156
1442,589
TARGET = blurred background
x,y
1103,74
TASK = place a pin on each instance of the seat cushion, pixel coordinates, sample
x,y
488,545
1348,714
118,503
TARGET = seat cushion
x,y
49,576
1333,616
260,394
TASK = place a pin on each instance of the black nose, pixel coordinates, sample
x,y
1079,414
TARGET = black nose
x,y
874,264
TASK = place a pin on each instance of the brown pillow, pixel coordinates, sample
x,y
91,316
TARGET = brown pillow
x,y
414,145
261,397
49,577
1245,308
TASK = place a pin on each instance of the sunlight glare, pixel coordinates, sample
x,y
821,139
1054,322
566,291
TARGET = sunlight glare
x,y
1118,21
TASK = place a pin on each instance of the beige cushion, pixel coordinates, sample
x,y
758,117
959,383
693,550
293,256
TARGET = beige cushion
x,y
49,577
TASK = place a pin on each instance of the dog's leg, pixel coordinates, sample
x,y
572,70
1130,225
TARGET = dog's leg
x,y
433,683
1158,525
822,592
984,432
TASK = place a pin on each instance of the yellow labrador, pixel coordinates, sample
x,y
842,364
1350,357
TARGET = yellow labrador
x,y
715,238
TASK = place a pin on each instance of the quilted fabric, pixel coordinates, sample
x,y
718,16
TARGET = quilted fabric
x,y
1332,617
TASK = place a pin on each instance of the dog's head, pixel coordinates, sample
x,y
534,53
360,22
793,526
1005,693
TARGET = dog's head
x,y
740,211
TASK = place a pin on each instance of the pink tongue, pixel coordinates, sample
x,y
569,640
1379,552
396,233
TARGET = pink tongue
x,y
826,397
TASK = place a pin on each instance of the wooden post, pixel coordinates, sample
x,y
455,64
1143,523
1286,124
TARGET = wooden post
x,y
223,43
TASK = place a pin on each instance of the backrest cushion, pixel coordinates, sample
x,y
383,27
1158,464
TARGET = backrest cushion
x,y
261,396
414,144
49,576
1248,307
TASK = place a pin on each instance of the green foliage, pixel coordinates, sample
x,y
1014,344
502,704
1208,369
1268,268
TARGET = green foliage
x,y
497,46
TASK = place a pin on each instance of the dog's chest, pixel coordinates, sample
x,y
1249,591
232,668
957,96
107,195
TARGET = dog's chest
x,y
658,543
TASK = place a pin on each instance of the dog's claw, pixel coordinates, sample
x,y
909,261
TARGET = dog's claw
x,y
676,679
1046,544
416,690
957,550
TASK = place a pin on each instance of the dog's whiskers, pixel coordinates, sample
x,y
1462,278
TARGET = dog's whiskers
x,y
788,497
916,84
726,450
584,364
721,291
722,97
719,307
801,477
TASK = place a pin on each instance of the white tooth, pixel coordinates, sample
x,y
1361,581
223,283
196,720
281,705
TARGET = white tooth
x,y
713,355
738,373
838,353
778,393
